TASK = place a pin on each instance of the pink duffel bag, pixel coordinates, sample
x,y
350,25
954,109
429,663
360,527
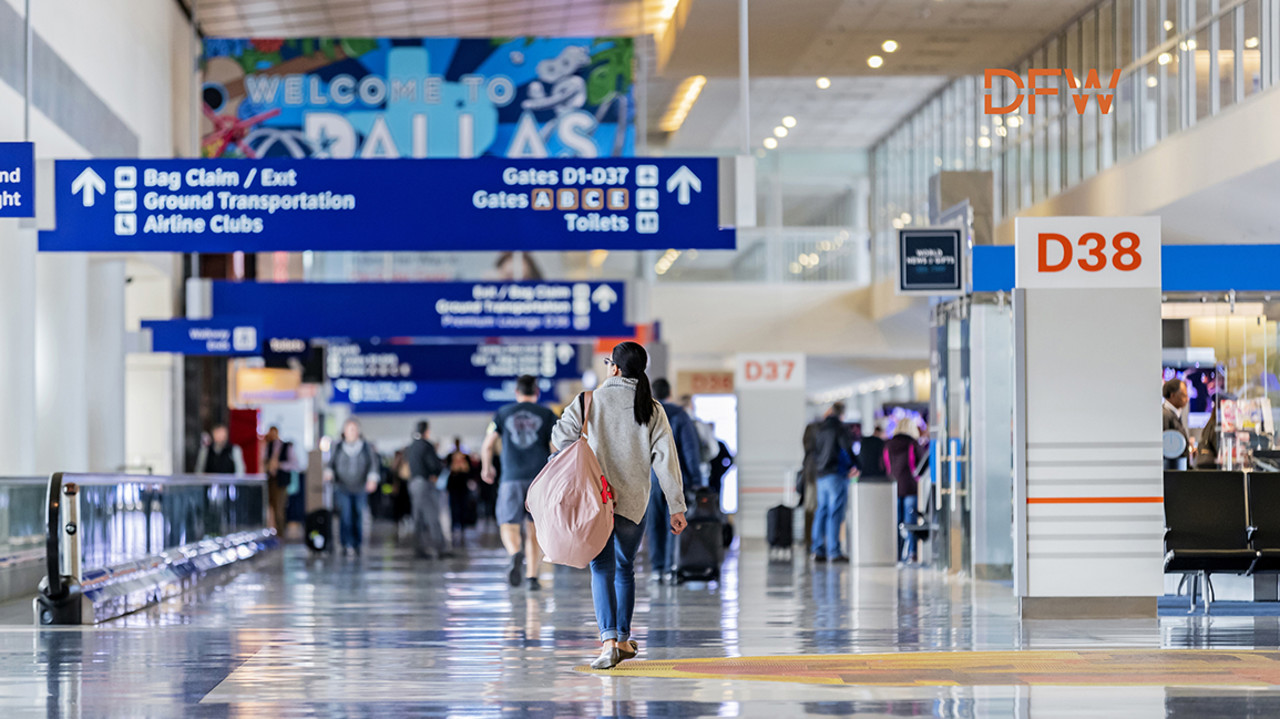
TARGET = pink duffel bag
x,y
571,503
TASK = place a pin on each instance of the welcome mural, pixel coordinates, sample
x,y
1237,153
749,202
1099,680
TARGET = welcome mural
x,y
436,97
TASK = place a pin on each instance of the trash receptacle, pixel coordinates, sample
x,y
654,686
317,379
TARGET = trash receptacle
x,y
874,522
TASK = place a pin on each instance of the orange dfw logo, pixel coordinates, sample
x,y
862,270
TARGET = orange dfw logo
x,y
1080,97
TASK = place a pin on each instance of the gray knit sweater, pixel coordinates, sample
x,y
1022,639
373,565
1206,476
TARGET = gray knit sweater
x,y
627,451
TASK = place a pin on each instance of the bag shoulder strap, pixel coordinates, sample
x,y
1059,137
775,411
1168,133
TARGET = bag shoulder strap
x,y
584,400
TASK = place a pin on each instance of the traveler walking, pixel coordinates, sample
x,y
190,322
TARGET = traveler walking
x,y
277,462
689,453
424,497
834,462
524,428
354,469
900,461
630,435
460,486
220,456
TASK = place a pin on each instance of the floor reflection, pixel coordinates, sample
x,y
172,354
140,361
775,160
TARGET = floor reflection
x,y
386,635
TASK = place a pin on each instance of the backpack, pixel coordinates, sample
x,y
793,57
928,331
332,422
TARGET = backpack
x,y
571,503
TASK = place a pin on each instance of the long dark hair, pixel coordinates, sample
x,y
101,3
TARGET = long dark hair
x,y
632,361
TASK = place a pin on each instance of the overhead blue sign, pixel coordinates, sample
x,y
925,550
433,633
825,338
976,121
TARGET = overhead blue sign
x,y
427,309
386,205
17,179
404,395
219,336
484,362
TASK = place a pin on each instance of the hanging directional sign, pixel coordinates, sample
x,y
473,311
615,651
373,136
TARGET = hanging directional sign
x,y
401,395
427,309
453,362
17,179
386,205
220,336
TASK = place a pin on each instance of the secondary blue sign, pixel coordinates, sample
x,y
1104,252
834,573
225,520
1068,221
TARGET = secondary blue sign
x,y
17,179
220,336
453,362
401,395
386,205
427,309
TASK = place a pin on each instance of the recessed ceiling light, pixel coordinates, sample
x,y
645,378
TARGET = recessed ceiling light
x,y
1251,43
889,45
788,121
984,142
770,143
824,83
1014,121
875,61
780,131
1152,82
1164,58
1168,24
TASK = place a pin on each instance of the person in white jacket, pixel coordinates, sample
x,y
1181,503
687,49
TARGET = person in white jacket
x,y
629,433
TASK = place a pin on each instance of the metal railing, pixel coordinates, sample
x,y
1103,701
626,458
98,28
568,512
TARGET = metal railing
x,y
117,543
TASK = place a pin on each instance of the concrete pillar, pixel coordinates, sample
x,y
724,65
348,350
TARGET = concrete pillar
x,y
106,371
17,350
62,398
771,422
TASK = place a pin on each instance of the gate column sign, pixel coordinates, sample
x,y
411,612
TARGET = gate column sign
x,y
1088,477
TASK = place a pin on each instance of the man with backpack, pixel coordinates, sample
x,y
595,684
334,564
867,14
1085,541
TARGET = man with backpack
x,y
524,428
833,461
689,452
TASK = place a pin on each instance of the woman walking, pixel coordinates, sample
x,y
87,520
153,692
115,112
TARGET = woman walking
x,y
629,433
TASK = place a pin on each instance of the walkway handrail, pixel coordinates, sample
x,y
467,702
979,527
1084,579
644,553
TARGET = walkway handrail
x,y
53,538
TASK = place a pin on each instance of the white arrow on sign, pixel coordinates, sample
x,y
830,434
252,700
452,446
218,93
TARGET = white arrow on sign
x,y
682,180
564,353
604,297
88,181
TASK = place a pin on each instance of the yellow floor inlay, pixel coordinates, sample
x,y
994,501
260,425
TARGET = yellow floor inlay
x,y
1118,667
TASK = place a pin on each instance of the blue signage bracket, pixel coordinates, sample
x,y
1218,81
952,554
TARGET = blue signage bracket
x,y
482,203
427,309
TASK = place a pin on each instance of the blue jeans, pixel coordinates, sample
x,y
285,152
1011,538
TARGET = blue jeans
x,y
613,580
350,515
833,498
907,516
662,546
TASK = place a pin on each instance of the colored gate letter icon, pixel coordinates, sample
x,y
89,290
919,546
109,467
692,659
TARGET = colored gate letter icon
x,y
1043,251
986,83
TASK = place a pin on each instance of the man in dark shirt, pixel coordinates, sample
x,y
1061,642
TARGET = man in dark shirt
x,y
834,461
424,497
524,428
871,456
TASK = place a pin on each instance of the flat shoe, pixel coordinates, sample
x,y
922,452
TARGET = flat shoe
x,y
628,650
608,659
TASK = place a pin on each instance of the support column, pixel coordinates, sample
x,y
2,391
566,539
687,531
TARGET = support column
x,y
105,372
62,400
17,350
771,421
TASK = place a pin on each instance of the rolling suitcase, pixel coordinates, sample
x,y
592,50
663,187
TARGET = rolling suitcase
x,y
319,530
706,503
780,529
700,549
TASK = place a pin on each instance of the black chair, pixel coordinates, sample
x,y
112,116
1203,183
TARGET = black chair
x,y
1264,520
1206,528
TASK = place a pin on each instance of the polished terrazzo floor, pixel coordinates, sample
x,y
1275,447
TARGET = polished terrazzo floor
x,y
389,636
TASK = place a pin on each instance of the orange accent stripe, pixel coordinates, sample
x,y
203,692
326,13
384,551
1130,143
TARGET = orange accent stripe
x,y
1095,500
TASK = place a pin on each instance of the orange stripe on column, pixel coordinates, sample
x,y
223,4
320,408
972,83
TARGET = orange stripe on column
x,y
1095,500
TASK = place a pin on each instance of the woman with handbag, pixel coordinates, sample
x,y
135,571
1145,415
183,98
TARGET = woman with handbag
x,y
630,436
